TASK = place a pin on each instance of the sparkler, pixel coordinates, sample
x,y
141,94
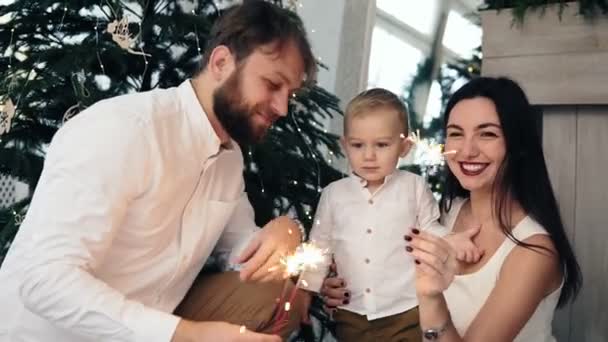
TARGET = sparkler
x,y
306,257
427,151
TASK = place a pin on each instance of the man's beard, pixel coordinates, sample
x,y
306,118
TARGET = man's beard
x,y
234,114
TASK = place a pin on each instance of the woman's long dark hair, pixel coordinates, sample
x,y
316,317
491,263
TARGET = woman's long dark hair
x,y
523,174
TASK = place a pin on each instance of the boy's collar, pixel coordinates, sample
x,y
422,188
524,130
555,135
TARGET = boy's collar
x,y
363,182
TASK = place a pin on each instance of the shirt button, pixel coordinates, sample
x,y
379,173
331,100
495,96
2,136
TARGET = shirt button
x,y
368,290
369,230
366,260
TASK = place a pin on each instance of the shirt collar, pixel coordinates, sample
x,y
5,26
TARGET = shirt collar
x,y
206,138
363,183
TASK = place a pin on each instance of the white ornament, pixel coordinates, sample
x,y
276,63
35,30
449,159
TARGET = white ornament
x,y
7,112
121,35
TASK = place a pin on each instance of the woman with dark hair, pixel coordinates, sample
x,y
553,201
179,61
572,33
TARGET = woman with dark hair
x,y
497,179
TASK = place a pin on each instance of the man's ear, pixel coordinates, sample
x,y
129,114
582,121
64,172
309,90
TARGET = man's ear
x,y
221,63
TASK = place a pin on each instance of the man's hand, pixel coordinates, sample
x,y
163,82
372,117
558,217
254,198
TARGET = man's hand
x,y
188,331
262,256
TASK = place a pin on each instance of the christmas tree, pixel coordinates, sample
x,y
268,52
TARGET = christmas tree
x,y
449,76
59,57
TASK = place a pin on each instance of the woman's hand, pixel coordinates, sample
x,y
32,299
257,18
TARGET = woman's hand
x,y
435,260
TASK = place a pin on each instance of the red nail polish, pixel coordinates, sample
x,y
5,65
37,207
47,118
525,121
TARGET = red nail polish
x,y
417,262
407,238
415,231
409,249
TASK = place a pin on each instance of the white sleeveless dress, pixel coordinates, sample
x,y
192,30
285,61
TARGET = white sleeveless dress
x,y
467,293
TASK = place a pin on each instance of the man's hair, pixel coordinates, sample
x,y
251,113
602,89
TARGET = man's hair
x,y
244,28
373,99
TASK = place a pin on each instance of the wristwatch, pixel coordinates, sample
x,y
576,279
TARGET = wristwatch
x,y
433,334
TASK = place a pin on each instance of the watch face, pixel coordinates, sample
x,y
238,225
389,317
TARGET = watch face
x,y
431,334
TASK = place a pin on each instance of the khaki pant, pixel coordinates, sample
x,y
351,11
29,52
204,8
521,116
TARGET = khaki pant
x,y
403,327
223,297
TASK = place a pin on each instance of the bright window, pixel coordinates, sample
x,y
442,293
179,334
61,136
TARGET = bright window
x,y
417,14
461,35
393,61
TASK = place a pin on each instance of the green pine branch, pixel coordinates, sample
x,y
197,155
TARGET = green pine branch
x,y
64,59
588,8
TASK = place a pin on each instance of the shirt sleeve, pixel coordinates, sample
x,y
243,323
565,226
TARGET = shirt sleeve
x,y
320,236
239,231
428,210
96,165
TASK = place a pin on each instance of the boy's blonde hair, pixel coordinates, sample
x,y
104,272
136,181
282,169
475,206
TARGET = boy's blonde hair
x,y
372,99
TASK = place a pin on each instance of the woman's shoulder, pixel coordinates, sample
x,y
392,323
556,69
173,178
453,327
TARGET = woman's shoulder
x,y
527,228
537,254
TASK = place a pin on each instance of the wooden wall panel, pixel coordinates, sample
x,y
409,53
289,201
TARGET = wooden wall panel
x,y
556,79
559,145
590,311
542,35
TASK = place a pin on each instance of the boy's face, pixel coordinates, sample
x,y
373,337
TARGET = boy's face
x,y
374,142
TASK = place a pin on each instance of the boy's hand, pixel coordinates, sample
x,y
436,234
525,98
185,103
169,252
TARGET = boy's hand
x,y
462,243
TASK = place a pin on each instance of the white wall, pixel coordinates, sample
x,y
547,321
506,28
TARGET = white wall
x,y
340,33
323,20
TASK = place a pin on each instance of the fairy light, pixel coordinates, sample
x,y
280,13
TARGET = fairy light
x,y
65,11
10,43
309,148
258,173
103,69
198,44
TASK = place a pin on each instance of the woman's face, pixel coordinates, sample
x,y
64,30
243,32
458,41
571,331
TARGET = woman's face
x,y
475,133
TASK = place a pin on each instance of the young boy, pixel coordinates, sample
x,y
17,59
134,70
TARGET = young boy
x,y
362,221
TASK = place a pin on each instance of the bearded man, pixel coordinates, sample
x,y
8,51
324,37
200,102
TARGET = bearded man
x,y
138,190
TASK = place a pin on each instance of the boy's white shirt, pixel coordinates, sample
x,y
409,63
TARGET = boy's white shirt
x,y
365,233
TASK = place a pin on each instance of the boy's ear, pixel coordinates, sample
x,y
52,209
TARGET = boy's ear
x,y
406,146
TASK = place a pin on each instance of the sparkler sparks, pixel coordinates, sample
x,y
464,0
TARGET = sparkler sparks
x,y
427,151
306,257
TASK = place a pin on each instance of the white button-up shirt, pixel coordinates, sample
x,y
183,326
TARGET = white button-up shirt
x,y
365,232
135,194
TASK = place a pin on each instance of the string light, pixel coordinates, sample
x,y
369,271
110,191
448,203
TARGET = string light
x,y
65,11
310,150
198,45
